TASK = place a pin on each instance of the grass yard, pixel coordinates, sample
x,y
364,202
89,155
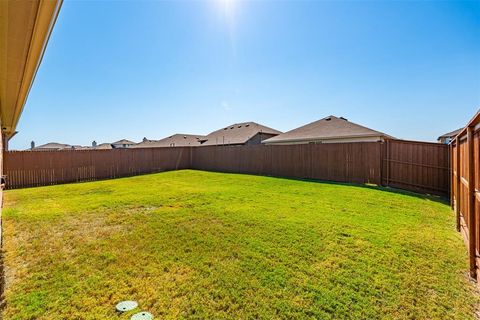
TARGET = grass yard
x,y
193,244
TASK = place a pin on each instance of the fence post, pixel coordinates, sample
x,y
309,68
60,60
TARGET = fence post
x,y
471,204
381,162
457,181
190,163
387,161
452,176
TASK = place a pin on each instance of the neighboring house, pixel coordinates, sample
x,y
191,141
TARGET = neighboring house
x,y
51,146
177,140
329,130
102,146
124,143
246,133
447,137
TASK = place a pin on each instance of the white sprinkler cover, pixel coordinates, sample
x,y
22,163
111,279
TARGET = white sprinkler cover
x,y
142,316
126,306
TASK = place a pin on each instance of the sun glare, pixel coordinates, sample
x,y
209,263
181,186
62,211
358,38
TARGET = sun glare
x,y
227,6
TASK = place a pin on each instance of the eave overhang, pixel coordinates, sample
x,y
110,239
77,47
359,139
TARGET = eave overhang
x,y
25,27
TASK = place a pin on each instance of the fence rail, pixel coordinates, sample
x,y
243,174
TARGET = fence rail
x,y
415,166
465,195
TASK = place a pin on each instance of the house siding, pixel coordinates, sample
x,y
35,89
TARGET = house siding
x,y
336,140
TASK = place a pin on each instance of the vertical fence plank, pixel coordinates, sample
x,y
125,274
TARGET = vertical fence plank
x,y
465,167
471,203
457,181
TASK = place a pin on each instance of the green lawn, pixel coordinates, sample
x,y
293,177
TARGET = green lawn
x,y
193,244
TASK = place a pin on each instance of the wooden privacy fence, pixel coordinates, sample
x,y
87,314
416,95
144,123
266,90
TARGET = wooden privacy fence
x,y
343,162
31,168
409,165
465,195
417,166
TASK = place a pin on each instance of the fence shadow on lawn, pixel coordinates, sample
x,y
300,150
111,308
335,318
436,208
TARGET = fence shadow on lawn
x,y
430,197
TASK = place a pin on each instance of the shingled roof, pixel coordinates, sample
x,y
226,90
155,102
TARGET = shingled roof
x,y
176,140
123,141
102,146
53,146
327,128
451,134
238,133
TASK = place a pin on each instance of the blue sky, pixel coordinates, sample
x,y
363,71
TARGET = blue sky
x,y
132,69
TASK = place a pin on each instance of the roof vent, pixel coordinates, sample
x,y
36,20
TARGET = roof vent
x,y
344,118
231,127
239,126
225,129
328,119
247,125
184,137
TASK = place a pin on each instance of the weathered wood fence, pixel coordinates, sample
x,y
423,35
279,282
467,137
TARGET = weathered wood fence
x,y
465,194
416,166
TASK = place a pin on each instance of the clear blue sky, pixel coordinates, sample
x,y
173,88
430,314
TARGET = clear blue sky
x,y
132,69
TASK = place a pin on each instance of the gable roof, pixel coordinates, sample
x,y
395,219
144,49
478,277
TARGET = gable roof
x,y
238,133
176,140
123,141
450,134
53,146
102,146
329,127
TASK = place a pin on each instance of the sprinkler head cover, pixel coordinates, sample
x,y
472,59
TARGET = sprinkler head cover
x,y
126,306
142,316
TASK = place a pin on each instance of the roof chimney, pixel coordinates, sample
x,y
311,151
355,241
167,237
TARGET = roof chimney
x,y
145,139
32,145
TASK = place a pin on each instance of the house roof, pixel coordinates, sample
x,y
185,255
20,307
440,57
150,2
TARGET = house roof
x,y
330,127
123,141
237,133
176,140
53,145
102,146
450,134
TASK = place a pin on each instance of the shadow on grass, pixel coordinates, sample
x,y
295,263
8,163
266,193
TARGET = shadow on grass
x,y
430,197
